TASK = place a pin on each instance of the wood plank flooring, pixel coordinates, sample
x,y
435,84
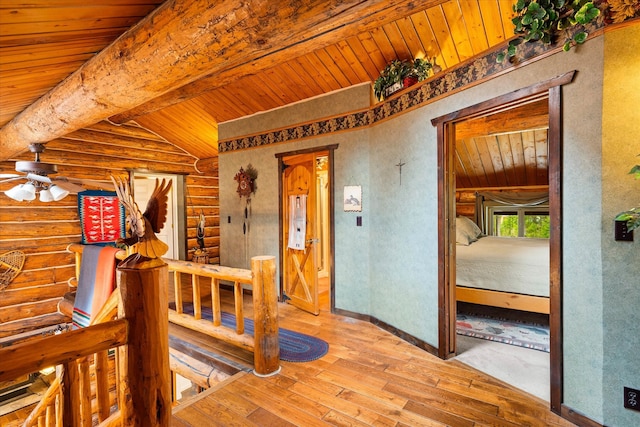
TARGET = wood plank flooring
x,y
369,377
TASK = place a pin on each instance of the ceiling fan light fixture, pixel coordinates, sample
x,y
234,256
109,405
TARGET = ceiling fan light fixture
x,y
16,193
38,180
29,192
58,193
46,196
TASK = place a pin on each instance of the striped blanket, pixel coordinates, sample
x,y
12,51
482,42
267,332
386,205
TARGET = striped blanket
x,y
95,284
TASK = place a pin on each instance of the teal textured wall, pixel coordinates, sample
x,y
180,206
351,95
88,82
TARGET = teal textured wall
x,y
621,260
388,267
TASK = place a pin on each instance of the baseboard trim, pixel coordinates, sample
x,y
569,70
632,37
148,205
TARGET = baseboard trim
x,y
352,314
391,329
577,418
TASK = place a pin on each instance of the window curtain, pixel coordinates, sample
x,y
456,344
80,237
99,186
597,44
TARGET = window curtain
x,y
521,199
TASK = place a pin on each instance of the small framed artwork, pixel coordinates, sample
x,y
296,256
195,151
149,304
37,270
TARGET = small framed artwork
x,y
352,198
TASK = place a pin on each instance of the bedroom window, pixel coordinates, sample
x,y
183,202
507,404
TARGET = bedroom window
x,y
518,221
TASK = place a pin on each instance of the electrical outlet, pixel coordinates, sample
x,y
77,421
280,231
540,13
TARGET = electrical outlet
x,y
622,233
632,399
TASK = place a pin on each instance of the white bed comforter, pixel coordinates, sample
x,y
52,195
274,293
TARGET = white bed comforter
x,y
519,265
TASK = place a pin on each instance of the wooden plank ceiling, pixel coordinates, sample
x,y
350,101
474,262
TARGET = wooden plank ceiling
x,y
504,149
44,41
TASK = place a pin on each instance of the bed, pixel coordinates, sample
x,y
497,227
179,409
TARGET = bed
x,y
507,272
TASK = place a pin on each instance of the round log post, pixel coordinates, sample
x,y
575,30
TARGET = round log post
x,y
146,377
266,356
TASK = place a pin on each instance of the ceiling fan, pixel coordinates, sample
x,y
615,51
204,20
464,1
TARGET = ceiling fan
x,y
38,181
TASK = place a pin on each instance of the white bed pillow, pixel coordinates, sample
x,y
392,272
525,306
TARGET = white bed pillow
x,y
467,231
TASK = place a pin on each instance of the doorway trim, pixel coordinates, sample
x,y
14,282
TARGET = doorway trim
x,y
280,156
552,90
174,203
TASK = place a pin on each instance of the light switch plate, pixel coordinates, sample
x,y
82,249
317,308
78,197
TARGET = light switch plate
x,y
631,399
622,233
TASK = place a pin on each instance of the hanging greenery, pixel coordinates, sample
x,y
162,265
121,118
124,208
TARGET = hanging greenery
x,y
542,20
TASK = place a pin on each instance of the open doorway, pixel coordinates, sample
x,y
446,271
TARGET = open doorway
x,y
306,228
143,186
550,91
502,245
323,221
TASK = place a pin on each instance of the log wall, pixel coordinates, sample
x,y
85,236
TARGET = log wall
x,y
466,203
43,230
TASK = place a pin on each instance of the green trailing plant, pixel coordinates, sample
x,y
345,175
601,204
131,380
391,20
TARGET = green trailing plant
x,y
632,216
421,68
541,20
396,71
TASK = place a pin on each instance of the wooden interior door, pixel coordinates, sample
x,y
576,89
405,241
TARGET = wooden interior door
x,y
300,272
143,186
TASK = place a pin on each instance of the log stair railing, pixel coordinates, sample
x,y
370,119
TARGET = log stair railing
x,y
138,337
48,411
122,359
130,336
261,280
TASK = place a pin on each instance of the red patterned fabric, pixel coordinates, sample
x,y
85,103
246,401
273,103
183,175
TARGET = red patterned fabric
x,y
102,217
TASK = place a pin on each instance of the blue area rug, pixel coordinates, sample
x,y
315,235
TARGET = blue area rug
x,y
294,346
508,332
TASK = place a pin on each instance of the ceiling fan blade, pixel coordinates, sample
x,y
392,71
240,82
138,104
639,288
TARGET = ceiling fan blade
x,y
39,178
69,186
9,175
102,185
10,179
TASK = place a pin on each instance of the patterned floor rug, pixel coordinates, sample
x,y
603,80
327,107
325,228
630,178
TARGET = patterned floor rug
x,y
508,332
294,346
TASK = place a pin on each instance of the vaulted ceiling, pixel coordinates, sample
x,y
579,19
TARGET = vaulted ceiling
x,y
332,45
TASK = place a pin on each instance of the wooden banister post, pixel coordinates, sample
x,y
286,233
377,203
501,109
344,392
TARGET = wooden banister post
x,y
265,306
145,383
71,395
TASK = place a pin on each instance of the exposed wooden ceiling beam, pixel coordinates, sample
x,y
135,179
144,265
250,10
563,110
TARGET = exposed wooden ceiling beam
x,y
350,25
178,43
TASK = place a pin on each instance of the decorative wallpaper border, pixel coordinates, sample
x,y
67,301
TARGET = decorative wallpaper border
x,y
463,76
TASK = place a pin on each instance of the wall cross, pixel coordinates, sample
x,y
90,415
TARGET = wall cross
x,y
400,165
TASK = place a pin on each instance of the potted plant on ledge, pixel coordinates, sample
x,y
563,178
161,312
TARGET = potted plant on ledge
x,y
400,74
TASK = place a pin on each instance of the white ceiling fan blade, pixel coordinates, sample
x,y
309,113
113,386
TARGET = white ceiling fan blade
x,y
10,179
9,175
39,178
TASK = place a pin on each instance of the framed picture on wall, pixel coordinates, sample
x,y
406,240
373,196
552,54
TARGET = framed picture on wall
x,y
352,198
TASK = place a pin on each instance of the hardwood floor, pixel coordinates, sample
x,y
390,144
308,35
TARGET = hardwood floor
x,y
369,377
